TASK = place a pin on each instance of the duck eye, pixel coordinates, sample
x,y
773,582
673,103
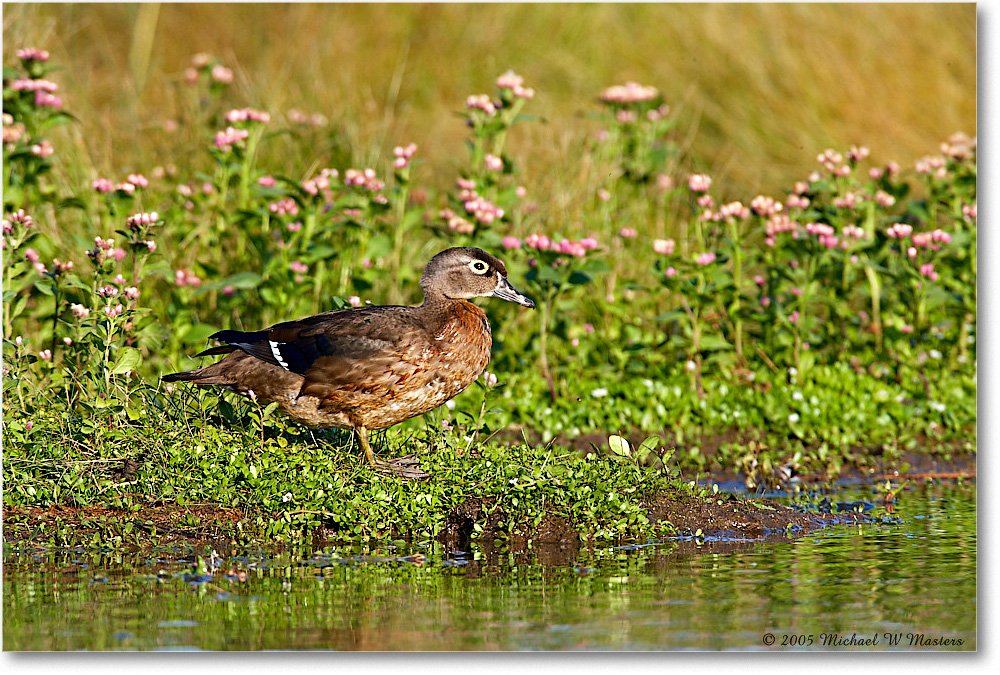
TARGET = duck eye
x,y
478,266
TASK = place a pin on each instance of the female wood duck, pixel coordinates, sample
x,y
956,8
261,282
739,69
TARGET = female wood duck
x,y
372,367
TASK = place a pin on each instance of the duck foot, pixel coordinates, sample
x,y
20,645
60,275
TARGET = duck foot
x,y
407,467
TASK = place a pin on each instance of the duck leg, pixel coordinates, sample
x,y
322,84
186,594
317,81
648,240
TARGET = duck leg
x,y
405,467
362,434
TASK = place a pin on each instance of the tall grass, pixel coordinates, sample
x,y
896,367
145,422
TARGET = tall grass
x,y
763,86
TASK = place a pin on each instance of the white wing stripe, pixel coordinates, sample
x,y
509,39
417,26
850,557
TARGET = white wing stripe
x,y
277,354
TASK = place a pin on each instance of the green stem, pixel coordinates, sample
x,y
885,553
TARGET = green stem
x,y
543,337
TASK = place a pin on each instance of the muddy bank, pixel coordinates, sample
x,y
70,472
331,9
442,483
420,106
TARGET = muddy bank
x,y
472,520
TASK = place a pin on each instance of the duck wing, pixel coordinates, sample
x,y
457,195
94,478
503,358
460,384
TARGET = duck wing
x,y
331,350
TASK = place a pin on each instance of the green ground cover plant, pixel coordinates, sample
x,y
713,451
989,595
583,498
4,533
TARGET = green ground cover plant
x,y
817,325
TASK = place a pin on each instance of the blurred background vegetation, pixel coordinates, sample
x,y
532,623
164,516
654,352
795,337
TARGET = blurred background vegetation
x,y
760,89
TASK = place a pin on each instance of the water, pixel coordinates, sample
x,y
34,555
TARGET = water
x,y
913,574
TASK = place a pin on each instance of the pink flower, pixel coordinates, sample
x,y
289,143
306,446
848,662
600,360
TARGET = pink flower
x,y
630,92
354,301
625,116
884,199
184,278
588,328
45,354
765,301
733,210
18,341
830,159
941,236
628,233
298,267
589,243
759,280
132,292
481,102
32,54
32,255
510,243
705,258
795,201
853,232
79,311
224,140
247,115
222,74
603,194
664,182
765,206
699,182
490,378
483,210
509,80
494,163
664,246
912,252
403,155
927,270
42,149
793,317
267,181
856,154
521,191
671,272
907,328
45,99
138,220
899,231
284,207
796,291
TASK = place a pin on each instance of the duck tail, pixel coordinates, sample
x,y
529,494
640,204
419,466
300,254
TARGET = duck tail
x,y
213,374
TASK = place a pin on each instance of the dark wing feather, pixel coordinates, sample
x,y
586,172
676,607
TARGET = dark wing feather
x,y
341,336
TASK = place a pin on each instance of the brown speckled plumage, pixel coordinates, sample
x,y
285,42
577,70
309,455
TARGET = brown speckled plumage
x,y
371,367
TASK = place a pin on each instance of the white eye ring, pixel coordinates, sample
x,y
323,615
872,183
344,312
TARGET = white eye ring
x,y
479,267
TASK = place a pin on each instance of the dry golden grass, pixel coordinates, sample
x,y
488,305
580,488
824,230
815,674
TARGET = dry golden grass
x,y
761,89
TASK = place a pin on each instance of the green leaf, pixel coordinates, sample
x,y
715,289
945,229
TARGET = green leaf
x,y
619,446
129,359
649,445
242,280
198,333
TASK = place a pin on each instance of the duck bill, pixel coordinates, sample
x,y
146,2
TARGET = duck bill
x,y
505,291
